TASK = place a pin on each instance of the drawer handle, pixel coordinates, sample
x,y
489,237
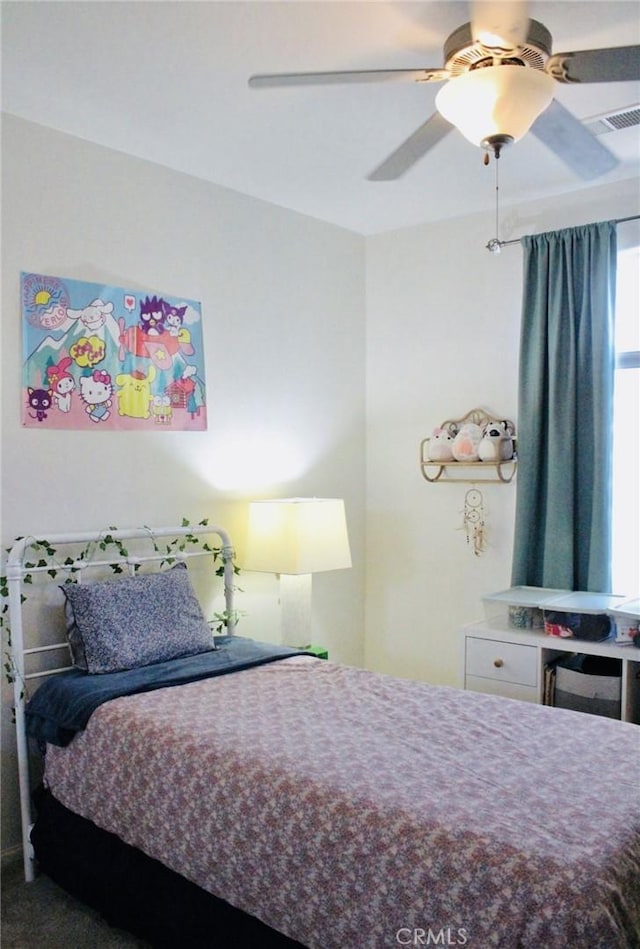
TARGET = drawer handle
x,y
498,663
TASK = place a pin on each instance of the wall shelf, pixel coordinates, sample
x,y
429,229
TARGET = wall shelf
x,y
470,471
501,471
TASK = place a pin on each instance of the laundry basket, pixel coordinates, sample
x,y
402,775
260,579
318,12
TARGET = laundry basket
x,y
589,684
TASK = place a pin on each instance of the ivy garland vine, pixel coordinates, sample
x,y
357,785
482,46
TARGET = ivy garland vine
x,y
44,555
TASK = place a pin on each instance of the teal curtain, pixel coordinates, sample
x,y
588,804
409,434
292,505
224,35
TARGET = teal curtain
x,y
565,413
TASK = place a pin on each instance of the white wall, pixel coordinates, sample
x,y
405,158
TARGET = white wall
x,y
443,324
283,313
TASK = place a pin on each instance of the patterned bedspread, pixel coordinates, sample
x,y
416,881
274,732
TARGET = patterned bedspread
x,y
352,810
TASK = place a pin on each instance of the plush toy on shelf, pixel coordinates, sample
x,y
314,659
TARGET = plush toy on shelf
x,y
439,445
466,443
497,442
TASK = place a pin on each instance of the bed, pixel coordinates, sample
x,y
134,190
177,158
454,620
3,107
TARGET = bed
x,y
253,795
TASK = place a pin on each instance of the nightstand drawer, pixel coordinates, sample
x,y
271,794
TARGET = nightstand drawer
x,y
502,662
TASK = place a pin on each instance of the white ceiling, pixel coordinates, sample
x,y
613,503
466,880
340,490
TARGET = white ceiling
x,y
167,81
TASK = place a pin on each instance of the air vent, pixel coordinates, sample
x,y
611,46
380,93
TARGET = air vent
x,y
614,121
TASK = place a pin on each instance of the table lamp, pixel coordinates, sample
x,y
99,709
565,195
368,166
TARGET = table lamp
x,y
295,538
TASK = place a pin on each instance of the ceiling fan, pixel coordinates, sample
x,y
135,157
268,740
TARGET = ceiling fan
x,y
499,73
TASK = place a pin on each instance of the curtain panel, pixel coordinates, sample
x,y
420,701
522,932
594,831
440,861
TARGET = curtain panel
x,y
565,415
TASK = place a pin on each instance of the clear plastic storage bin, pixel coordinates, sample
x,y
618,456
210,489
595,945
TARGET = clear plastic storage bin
x,y
626,618
518,607
581,616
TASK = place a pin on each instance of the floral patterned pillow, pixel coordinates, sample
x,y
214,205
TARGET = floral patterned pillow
x,y
123,624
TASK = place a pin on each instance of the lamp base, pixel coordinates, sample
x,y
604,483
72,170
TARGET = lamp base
x,y
295,606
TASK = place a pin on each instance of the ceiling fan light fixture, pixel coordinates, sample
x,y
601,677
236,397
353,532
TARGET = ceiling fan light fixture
x,y
495,103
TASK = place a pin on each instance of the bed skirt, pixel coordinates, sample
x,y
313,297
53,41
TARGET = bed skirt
x,y
136,893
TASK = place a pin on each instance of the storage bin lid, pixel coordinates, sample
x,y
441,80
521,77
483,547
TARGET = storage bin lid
x,y
524,596
583,603
628,608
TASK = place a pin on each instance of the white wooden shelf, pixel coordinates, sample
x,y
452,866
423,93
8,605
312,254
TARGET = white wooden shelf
x,y
505,661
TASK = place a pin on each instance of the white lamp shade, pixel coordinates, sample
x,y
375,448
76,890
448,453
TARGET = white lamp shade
x,y
297,535
495,100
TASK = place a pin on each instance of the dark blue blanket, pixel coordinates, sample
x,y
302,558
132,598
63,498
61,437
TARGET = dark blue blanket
x,y
64,703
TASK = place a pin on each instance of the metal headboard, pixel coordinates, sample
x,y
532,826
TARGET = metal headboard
x,y
20,565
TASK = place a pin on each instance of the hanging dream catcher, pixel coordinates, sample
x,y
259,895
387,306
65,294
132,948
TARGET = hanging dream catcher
x,y
473,522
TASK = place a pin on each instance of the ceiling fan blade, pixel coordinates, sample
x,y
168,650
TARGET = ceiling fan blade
x,y
618,64
412,150
565,135
499,25
353,75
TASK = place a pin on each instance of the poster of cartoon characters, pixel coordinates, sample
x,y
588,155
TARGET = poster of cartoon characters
x,y
106,358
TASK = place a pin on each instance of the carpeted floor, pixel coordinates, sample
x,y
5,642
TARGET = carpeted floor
x,y
40,915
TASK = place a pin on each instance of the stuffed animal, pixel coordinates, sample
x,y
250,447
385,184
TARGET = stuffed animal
x,y
465,444
439,447
497,442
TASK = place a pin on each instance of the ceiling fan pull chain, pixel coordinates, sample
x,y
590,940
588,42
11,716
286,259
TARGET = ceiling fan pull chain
x,y
495,244
497,164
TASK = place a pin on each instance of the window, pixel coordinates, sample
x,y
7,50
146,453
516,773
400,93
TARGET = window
x,y
626,427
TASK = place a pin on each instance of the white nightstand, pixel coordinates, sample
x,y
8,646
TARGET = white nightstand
x,y
511,662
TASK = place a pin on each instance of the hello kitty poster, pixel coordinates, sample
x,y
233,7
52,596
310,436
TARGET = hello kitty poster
x,y
106,358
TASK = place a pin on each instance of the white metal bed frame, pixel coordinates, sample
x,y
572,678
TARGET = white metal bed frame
x,y
19,566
